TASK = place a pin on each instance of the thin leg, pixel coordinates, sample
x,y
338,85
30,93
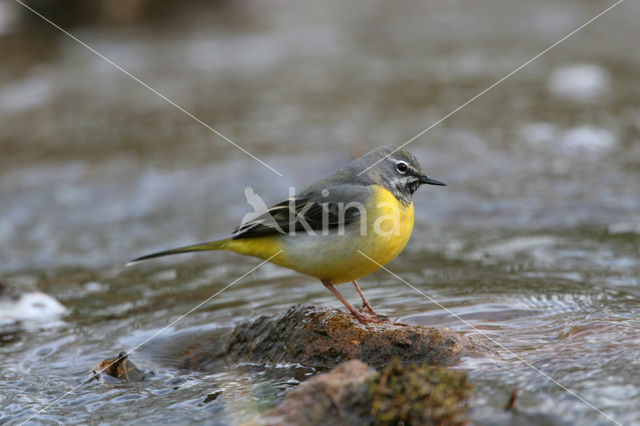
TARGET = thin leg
x,y
351,309
365,304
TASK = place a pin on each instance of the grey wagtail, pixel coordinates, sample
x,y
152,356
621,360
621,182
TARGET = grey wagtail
x,y
324,231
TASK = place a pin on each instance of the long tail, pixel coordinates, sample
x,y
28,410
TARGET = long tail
x,y
208,246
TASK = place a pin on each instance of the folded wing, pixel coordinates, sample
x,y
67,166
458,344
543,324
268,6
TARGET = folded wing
x,y
315,209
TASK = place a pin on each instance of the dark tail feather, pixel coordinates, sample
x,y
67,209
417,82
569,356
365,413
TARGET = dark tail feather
x,y
211,245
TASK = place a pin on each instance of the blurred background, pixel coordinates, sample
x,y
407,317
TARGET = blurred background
x,y
536,238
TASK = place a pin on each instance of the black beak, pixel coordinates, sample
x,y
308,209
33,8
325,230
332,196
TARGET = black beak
x,y
430,181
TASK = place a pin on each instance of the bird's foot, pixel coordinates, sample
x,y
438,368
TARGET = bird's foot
x,y
367,318
368,309
370,316
401,324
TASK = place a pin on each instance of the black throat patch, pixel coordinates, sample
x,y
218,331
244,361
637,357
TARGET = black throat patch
x,y
403,189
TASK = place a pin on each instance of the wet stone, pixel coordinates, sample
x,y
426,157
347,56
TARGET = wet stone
x,y
323,338
354,393
119,370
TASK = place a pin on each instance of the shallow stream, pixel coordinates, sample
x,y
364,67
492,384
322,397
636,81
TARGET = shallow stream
x,y
535,241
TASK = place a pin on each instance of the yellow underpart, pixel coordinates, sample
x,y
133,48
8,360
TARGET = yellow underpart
x,y
261,247
336,258
389,227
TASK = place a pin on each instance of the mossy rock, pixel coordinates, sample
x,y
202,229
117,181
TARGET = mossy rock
x,y
418,395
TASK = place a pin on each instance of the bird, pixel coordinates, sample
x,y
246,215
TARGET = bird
x,y
337,230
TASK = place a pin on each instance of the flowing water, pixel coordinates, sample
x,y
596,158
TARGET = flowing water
x,y
533,247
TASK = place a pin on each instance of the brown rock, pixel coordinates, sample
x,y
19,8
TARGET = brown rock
x,y
339,394
119,370
323,337
355,394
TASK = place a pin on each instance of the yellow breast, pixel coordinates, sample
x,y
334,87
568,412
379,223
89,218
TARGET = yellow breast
x,y
337,258
390,230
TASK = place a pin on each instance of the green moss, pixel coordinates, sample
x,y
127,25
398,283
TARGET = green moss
x,y
418,395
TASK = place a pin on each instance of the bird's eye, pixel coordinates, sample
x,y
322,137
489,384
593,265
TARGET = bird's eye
x,y
402,166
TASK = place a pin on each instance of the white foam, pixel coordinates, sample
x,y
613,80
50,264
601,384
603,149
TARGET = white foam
x,y
579,82
34,307
94,287
588,139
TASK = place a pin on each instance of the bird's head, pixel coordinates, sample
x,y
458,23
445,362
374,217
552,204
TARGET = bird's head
x,y
397,170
